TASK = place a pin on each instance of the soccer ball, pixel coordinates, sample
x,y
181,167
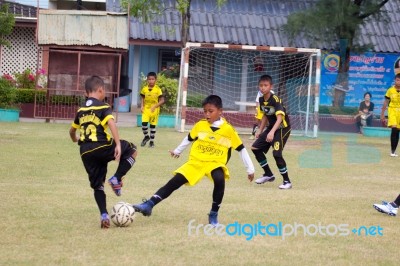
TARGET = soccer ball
x,y
122,214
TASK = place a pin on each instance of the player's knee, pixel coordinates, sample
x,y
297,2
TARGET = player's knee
x,y
97,187
280,162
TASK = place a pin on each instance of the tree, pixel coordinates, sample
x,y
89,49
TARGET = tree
x,y
7,22
146,10
336,21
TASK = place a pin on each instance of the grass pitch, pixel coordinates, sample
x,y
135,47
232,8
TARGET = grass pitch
x,y
49,216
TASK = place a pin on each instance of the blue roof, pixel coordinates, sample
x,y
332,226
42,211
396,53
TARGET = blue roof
x,y
255,22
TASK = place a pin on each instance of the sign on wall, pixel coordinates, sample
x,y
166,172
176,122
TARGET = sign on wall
x,y
369,72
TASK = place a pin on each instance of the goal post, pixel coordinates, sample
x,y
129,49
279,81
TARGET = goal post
x,y
232,72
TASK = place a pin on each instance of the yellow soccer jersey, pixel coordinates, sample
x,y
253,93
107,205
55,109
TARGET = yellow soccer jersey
x,y
151,96
393,96
212,145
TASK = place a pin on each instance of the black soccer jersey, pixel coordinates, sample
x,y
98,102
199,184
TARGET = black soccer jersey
x,y
91,119
272,107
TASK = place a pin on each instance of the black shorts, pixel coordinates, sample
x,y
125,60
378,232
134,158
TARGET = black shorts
x,y
278,142
95,158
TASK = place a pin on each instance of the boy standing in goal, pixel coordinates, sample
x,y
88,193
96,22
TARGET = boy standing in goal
x,y
152,99
276,134
212,140
97,148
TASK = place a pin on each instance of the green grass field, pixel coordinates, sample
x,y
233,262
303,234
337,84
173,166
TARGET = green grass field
x,y
49,216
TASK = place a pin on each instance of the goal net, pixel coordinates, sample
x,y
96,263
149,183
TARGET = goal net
x,y
232,72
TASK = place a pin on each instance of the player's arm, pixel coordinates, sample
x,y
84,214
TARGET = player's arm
x,y
384,107
142,102
185,142
72,134
263,124
244,155
114,132
271,133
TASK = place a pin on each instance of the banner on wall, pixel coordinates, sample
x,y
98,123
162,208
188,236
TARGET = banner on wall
x,y
369,72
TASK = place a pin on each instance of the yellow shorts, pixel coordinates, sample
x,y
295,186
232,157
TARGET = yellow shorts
x,y
393,117
194,171
259,114
151,117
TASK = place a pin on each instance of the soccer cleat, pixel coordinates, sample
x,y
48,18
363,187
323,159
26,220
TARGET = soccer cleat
x,y
213,218
151,144
144,208
387,208
285,185
393,154
115,185
105,221
264,179
144,141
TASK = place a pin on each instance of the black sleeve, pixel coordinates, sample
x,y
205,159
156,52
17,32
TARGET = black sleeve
x,y
240,147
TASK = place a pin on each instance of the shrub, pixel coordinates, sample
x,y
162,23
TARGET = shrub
x,y
8,95
344,110
169,87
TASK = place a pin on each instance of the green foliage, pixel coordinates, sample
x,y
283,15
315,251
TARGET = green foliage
x,y
343,110
169,87
28,96
194,100
329,21
7,22
8,95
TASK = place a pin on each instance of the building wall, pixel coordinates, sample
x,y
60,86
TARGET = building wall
x,y
22,54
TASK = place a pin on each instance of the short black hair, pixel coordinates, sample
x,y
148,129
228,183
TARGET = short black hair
x,y
93,83
214,100
397,76
265,78
370,95
152,74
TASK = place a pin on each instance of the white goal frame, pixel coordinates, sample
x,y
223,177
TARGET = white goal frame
x,y
313,87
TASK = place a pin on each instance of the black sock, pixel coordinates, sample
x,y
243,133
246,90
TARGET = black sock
x,y
123,167
100,198
397,201
219,188
394,139
262,160
164,192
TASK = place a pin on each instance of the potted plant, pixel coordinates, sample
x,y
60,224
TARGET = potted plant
x,y
9,109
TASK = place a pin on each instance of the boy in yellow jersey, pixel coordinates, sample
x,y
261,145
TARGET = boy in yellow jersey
x,y
97,148
277,132
152,99
213,139
392,99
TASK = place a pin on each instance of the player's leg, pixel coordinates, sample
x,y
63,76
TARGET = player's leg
x,y
145,127
259,148
97,173
164,192
128,158
218,177
279,141
153,125
394,124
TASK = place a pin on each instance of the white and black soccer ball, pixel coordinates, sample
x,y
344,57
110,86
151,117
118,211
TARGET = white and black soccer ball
x,y
122,214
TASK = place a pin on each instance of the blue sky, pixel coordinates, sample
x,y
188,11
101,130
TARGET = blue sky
x,y
42,3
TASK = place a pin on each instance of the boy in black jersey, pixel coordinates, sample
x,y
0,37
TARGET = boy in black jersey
x,y
276,134
97,147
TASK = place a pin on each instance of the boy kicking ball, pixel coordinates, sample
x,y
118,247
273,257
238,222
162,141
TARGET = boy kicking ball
x,y
212,140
